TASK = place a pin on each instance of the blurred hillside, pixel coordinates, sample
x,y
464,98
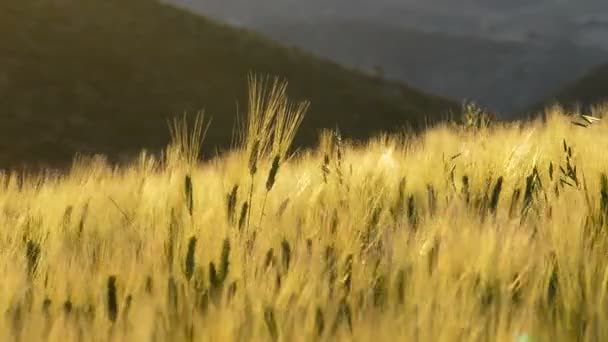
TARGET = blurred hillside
x,y
104,76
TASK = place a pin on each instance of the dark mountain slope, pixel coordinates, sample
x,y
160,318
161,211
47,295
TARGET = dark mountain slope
x,y
103,76
591,89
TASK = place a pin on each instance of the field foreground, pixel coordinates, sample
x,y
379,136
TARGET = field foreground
x,y
455,235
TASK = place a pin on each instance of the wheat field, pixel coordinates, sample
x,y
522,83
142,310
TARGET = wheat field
x,y
488,232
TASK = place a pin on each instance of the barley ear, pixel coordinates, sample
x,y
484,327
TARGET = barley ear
x,y
112,301
286,252
190,263
33,254
231,199
273,173
243,218
271,323
496,195
319,322
253,158
225,260
189,196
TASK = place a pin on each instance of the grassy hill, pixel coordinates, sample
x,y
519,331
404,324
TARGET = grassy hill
x,y
104,76
591,89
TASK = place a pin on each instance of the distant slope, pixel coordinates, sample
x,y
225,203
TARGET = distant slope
x,y
504,76
578,22
102,76
590,89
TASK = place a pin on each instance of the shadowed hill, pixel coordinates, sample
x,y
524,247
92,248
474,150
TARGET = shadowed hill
x,y
505,76
589,90
104,76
